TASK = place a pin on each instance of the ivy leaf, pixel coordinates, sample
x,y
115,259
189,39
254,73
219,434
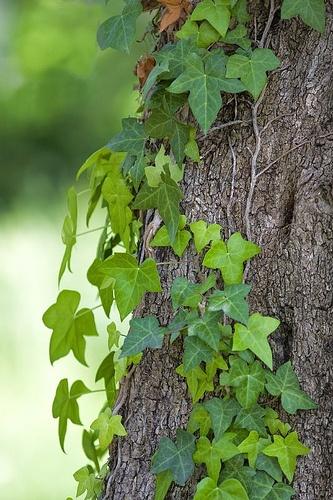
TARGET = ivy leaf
x,y
199,420
205,81
204,233
161,238
222,413
88,483
68,233
215,12
286,450
106,371
191,148
238,36
153,173
211,453
235,469
230,257
254,337
252,419
230,489
165,198
312,12
286,385
196,351
232,302
188,294
252,69
176,457
252,446
163,483
107,426
143,333
132,280
162,124
197,380
132,140
280,491
89,448
105,284
248,381
269,465
207,328
113,335
260,486
118,32
69,326
65,406
274,424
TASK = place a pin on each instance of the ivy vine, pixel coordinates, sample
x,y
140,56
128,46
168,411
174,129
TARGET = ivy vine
x,y
247,451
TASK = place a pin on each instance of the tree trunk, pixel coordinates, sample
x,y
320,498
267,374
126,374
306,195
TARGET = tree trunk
x,y
288,211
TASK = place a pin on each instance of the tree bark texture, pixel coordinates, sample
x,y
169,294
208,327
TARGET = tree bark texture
x,y
288,210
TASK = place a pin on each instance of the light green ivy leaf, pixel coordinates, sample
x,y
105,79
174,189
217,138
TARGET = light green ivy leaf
x,y
252,69
211,453
199,420
204,233
88,483
248,381
107,426
230,489
216,12
254,337
286,385
252,446
68,233
312,12
163,483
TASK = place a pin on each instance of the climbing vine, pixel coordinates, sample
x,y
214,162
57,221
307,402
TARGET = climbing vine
x,y
203,56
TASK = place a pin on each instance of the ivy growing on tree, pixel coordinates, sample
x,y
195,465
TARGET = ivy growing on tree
x,y
234,436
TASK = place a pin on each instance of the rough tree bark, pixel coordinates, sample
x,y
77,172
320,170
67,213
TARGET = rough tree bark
x,y
288,209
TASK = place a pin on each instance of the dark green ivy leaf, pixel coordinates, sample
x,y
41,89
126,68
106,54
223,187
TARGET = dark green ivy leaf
x,y
286,385
232,302
235,468
196,351
222,413
165,198
118,32
69,326
252,419
260,486
205,81
143,333
176,457
280,491
207,328
188,294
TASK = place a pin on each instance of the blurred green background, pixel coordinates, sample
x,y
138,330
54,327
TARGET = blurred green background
x,y
61,98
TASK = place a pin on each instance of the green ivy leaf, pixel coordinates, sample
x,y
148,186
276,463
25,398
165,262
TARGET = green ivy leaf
x,y
197,380
254,337
118,32
163,483
68,233
215,12
165,198
132,280
162,124
195,351
204,233
260,486
252,446
106,371
248,381
286,385
205,81
239,11
230,257
238,36
88,483
252,419
232,302
280,491
211,453
199,420
132,140
68,326
191,148
235,468
153,173
161,238
252,69
230,489
269,465
105,284
274,424
176,457
312,12
143,333
222,413
286,450
188,294
107,426
88,445
207,328
113,335
65,406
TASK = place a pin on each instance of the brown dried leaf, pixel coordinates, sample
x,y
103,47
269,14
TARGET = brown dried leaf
x,y
143,68
175,10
